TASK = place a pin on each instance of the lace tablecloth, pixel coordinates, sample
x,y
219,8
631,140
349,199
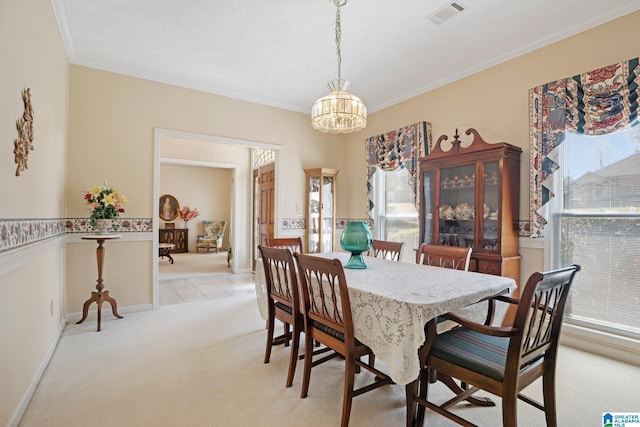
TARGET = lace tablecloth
x,y
392,301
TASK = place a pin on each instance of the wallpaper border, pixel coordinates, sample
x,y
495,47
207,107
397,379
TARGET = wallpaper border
x,y
16,233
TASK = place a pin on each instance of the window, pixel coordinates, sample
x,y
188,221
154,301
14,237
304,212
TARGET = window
x,y
596,223
395,216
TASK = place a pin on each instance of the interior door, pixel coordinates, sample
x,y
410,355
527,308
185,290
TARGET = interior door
x,y
266,212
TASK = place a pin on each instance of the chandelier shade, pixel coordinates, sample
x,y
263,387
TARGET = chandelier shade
x,y
340,111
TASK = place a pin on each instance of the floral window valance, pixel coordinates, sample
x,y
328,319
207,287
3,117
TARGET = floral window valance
x,y
593,103
400,148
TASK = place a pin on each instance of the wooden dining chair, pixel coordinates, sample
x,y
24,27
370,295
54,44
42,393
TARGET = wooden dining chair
x,y
502,360
455,257
283,302
387,249
293,243
327,319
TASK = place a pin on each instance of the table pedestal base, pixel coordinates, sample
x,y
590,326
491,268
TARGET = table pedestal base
x,y
99,297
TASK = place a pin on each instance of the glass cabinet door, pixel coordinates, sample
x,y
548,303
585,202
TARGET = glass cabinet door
x,y
456,211
326,207
491,212
427,205
320,220
313,216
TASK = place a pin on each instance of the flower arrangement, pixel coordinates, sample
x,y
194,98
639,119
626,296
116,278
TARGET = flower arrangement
x,y
104,202
187,214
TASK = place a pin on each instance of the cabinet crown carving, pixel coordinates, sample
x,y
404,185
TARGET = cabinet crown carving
x,y
477,144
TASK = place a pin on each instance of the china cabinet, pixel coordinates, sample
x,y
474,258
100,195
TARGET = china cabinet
x,y
177,236
320,209
470,197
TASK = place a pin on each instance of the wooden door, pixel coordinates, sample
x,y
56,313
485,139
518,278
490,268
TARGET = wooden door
x,y
266,212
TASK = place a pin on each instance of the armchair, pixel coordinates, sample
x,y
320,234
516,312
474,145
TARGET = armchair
x,y
212,237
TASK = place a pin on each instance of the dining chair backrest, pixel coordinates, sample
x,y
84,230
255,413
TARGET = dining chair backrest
x,y
455,257
281,276
283,302
387,249
293,243
324,294
539,316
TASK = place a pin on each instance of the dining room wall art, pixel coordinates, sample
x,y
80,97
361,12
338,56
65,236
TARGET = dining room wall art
x,y
168,207
24,144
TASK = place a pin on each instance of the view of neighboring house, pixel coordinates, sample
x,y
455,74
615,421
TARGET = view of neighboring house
x,y
618,182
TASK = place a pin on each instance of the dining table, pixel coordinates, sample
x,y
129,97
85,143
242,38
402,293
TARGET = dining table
x,y
391,302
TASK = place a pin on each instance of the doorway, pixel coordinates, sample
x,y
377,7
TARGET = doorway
x,y
218,152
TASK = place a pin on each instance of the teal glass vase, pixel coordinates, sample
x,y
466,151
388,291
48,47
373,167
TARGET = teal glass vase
x,y
356,238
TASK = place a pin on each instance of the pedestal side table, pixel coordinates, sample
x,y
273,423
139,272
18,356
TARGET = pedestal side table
x,y
100,295
164,250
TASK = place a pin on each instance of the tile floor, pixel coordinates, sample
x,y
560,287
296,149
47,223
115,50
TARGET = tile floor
x,y
197,277
204,287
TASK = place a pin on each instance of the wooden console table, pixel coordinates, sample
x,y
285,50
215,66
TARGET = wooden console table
x,y
101,295
177,236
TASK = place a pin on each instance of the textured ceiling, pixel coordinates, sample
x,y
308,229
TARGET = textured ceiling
x,y
282,52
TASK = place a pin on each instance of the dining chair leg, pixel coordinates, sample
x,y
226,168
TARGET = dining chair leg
x,y
509,410
287,334
425,379
270,326
411,390
349,380
549,392
308,362
293,359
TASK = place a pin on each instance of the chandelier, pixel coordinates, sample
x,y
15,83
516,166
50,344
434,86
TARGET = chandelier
x,y
339,111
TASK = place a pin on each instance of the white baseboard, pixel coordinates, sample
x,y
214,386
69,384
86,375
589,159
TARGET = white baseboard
x,y
15,418
602,343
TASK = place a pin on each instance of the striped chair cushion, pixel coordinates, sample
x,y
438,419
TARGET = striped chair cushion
x,y
283,307
331,331
480,353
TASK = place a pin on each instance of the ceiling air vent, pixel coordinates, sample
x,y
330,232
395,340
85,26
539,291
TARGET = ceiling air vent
x,y
446,12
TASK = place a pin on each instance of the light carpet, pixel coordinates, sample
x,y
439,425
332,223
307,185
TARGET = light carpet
x,y
201,364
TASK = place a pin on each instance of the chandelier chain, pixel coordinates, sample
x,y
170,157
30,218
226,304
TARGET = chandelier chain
x,y
340,111
338,37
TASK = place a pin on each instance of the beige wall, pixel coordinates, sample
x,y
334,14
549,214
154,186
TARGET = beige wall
x,y
31,279
36,60
114,116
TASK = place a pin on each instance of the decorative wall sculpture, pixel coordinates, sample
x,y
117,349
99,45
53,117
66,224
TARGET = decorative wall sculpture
x,y
24,143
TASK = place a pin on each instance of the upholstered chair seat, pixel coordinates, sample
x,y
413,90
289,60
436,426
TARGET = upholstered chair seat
x,y
212,237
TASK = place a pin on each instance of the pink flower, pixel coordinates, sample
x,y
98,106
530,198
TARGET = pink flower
x,y
187,214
